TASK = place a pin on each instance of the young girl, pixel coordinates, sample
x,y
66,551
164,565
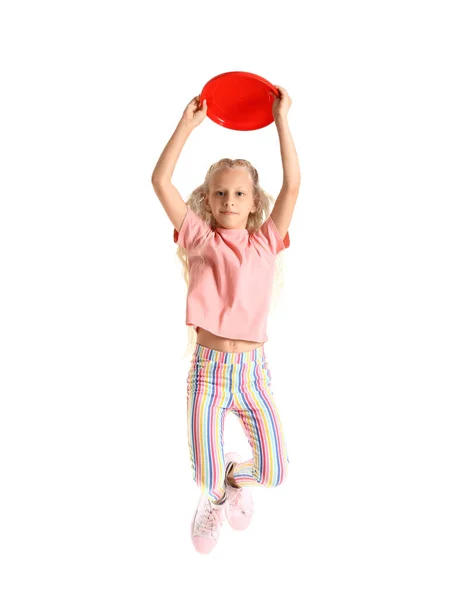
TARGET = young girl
x,y
230,240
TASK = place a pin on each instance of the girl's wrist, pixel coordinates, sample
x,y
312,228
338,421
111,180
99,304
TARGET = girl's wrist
x,y
185,125
281,120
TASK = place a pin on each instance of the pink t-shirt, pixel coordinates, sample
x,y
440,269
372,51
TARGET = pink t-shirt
x,y
230,294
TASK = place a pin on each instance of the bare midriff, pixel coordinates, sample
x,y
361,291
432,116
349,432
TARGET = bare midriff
x,y
215,342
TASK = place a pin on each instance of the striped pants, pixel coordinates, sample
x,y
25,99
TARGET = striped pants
x,y
219,382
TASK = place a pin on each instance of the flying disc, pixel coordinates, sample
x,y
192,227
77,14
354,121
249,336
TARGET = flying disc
x,y
239,100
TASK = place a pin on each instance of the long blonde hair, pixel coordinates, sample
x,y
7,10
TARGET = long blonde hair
x,y
264,202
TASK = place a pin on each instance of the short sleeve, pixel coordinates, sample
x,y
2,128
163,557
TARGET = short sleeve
x,y
192,230
269,235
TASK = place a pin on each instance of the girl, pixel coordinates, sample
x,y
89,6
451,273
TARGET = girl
x,y
228,242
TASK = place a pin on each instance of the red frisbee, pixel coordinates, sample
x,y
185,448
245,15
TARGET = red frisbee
x,y
239,100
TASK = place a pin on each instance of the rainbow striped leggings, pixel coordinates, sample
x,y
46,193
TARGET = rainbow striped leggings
x,y
240,382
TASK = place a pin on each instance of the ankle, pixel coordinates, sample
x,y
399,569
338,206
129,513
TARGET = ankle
x,y
229,479
219,502
232,482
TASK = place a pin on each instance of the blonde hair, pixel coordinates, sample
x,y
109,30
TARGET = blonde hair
x,y
263,201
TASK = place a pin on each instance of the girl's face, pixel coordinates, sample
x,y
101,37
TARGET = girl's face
x,y
231,191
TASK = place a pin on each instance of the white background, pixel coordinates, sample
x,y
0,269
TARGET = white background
x,y
96,488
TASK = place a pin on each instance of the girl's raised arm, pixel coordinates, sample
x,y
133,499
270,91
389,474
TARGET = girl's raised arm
x,y
161,177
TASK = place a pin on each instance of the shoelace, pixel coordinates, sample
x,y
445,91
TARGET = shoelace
x,y
210,519
235,498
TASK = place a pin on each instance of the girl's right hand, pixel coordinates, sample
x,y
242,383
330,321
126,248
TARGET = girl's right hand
x,y
193,114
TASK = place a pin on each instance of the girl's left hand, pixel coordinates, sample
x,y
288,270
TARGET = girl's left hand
x,y
281,104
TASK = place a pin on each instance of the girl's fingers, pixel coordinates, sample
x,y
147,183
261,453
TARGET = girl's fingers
x,y
282,90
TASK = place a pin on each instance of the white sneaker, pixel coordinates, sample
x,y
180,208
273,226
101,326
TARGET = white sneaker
x,y
205,527
239,502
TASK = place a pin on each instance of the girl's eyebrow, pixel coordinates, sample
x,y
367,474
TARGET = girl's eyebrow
x,y
239,187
